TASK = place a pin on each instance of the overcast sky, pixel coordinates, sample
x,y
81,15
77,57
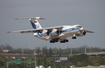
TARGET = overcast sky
x,y
88,13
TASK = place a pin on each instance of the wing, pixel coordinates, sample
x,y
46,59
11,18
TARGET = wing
x,y
89,31
36,30
51,28
23,31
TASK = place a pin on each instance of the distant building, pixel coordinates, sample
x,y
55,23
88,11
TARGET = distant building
x,y
17,55
96,54
6,50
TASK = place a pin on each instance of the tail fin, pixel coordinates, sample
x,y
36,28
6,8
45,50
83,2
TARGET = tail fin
x,y
34,22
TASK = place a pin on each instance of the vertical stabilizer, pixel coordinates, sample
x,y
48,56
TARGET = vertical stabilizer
x,y
35,24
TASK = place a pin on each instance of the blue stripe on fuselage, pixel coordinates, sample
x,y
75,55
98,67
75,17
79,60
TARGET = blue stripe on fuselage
x,y
70,29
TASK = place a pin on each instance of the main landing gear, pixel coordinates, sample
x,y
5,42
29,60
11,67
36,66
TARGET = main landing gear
x,y
56,40
66,40
74,37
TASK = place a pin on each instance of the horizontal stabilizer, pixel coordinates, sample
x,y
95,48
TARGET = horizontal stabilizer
x,y
31,18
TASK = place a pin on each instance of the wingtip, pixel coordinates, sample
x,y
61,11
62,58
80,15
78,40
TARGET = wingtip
x,y
9,32
93,32
16,18
42,18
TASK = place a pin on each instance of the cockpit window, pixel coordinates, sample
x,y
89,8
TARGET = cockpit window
x,y
79,26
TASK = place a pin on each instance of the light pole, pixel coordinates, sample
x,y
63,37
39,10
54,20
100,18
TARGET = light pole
x,y
71,50
35,57
85,48
7,64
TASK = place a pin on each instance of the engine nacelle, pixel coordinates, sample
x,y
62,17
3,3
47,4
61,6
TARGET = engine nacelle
x,y
48,32
83,32
38,34
53,32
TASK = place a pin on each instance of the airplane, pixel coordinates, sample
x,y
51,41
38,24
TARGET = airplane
x,y
53,34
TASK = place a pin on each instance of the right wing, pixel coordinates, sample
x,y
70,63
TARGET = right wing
x,y
89,31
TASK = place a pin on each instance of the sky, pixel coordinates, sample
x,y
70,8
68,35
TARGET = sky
x,y
88,13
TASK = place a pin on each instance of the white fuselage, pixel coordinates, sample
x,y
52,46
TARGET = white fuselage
x,y
66,31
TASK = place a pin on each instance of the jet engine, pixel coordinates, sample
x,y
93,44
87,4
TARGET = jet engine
x,y
48,32
53,32
83,32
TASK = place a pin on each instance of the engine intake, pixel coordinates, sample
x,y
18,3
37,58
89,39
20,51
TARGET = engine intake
x,y
48,32
83,32
53,32
58,32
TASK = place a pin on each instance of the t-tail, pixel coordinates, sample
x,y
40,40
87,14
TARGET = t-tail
x,y
34,21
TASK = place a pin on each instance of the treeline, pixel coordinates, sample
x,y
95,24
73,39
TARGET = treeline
x,y
46,56
81,60
52,51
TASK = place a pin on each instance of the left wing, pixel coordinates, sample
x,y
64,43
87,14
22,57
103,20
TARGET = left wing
x,y
23,31
36,30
